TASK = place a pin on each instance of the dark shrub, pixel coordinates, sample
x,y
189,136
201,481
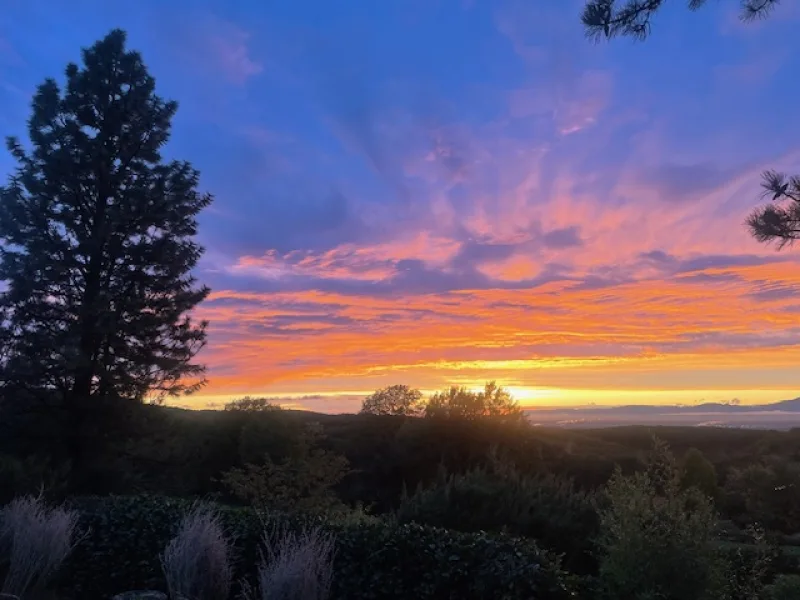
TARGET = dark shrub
x,y
785,587
657,540
769,493
374,561
697,471
499,497
31,475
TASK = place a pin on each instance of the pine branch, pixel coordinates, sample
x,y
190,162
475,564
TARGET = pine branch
x,y
604,19
779,220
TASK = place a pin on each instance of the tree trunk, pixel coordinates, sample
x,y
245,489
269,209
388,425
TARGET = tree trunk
x,y
79,401
78,436
79,404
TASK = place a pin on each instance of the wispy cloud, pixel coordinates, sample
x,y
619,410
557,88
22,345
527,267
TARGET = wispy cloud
x,y
215,47
230,52
9,55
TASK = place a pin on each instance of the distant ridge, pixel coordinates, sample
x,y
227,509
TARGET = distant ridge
x,y
782,415
707,407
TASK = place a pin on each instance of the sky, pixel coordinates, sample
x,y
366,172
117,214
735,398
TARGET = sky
x,y
438,192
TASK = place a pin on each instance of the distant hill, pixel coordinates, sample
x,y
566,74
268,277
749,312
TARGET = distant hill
x,y
707,407
776,415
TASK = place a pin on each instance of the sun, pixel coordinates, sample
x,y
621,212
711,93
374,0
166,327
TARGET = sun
x,y
525,395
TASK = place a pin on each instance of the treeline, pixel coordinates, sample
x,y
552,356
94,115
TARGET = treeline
x,y
369,460
455,402
714,500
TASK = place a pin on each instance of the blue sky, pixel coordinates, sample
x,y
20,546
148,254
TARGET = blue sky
x,y
449,191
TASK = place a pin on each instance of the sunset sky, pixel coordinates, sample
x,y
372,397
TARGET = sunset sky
x,y
438,192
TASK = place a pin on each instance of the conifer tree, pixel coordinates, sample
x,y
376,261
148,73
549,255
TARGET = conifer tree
x,y
97,234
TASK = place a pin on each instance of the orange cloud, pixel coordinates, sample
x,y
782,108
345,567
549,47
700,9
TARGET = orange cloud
x,y
732,329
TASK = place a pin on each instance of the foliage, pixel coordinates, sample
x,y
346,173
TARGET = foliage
x,y
372,561
414,561
606,18
183,453
657,540
778,221
97,249
274,432
295,566
303,479
399,400
785,587
97,238
743,573
251,404
770,493
499,497
34,542
461,403
697,471
30,475
197,561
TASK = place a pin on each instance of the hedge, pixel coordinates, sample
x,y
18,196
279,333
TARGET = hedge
x,y
124,536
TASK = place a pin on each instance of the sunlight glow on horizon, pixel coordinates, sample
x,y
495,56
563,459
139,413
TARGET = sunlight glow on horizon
x,y
529,398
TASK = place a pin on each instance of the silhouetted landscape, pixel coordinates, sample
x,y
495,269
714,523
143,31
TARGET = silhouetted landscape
x,y
108,489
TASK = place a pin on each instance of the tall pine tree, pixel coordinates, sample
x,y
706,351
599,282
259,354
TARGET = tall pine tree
x,y
97,244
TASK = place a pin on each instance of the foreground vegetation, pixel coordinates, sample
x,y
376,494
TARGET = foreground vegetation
x,y
419,507
372,558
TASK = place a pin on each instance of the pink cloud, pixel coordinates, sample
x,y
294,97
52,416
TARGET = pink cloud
x,y
754,71
526,102
582,105
514,268
573,103
512,198
229,50
359,263
214,46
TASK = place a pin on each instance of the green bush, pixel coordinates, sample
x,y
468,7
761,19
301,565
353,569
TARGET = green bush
x,y
745,568
31,475
374,560
301,480
697,471
769,493
499,497
657,541
785,587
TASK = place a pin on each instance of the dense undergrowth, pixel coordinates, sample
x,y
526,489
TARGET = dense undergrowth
x,y
422,508
124,537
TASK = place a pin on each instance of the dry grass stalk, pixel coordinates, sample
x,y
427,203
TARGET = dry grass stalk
x,y
197,561
295,566
34,542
